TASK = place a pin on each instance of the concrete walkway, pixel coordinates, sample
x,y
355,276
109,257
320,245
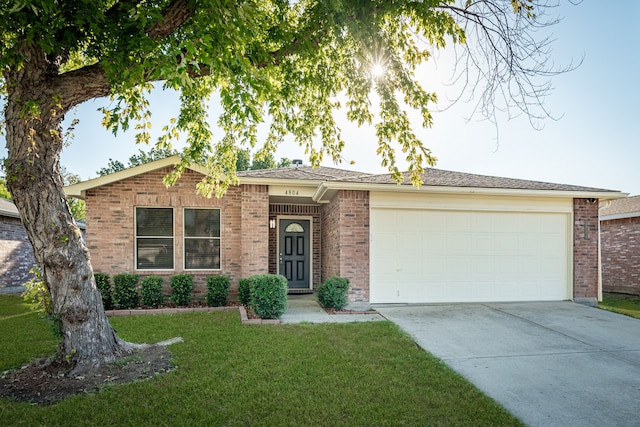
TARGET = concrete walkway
x,y
548,363
305,309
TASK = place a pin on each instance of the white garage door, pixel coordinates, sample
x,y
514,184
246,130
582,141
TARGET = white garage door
x,y
424,256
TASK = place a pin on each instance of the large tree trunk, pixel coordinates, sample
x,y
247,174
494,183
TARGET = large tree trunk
x,y
34,140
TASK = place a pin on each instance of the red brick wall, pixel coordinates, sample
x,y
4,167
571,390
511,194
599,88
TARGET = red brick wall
x,y
282,210
345,241
620,240
110,221
585,249
330,245
16,253
255,230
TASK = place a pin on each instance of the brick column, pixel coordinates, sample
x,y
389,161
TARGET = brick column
x,y
345,242
585,251
255,230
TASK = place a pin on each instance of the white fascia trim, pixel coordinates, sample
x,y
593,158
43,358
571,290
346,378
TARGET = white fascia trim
x,y
601,195
79,190
9,214
620,216
278,181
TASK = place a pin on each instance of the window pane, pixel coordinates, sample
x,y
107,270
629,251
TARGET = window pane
x,y
202,222
202,254
294,227
155,254
154,222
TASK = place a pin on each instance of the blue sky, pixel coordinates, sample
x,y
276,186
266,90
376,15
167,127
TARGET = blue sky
x,y
594,143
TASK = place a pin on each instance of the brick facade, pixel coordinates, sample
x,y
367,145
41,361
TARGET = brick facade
x,y
340,234
16,253
621,255
243,216
585,250
345,241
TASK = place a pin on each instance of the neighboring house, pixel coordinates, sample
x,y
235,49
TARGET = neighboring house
x,y
16,253
458,238
620,235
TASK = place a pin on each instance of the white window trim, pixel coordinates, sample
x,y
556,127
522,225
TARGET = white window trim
x,y
184,238
135,238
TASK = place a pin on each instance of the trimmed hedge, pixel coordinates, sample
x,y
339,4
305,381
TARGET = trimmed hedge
x,y
217,290
332,293
151,291
244,292
269,295
103,283
182,288
125,290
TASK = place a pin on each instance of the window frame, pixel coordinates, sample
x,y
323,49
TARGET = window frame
x,y
185,238
136,237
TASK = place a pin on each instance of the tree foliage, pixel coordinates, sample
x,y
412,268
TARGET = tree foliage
x,y
138,159
292,63
4,192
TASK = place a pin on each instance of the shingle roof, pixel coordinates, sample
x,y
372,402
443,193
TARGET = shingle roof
x,y
304,173
7,208
431,177
629,205
445,178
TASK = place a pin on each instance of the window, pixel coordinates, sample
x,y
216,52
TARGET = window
x,y
202,239
294,227
154,238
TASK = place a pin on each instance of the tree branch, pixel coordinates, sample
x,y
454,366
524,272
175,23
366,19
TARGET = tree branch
x,y
80,85
91,81
173,16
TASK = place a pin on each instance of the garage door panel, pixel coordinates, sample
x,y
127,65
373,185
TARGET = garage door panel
x,y
444,256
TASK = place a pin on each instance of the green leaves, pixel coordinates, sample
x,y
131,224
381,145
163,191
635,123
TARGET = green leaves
x,y
290,65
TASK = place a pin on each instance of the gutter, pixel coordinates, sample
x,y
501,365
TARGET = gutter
x,y
341,185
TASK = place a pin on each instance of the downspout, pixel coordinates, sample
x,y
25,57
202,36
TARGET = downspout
x,y
320,192
599,262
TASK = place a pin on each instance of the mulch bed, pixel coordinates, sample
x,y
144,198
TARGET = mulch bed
x,y
47,381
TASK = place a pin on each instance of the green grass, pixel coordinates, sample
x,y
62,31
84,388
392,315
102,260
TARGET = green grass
x,y
621,303
23,333
359,374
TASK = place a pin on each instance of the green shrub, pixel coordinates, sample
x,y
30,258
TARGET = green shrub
x,y
38,297
37,294
269,295
217,290
103,283
244,291
333,293
182,288
125,290
151,291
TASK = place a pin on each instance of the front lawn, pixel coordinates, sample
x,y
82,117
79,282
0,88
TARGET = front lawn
x,y
232,374
621,303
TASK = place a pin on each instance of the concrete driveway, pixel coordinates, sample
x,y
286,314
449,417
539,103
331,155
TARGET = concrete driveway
x,y
548,363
